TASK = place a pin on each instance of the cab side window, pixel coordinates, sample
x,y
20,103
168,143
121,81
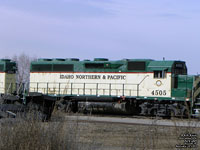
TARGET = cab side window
x,y
160,74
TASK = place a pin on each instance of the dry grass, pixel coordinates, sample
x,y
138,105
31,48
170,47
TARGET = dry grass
x,y
33,135
75,135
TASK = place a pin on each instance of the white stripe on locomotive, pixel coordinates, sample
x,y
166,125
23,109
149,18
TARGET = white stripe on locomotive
x,y
114,84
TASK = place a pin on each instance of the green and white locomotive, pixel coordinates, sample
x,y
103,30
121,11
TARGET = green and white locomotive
x,y
131,86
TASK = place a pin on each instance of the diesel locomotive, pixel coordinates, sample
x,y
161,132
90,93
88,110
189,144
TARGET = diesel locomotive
x,y
128,86
132,86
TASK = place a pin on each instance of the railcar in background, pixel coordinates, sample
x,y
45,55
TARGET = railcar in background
x,y
130,86
7,76
14,101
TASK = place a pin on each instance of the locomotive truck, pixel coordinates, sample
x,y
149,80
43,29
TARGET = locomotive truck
x,y
128,86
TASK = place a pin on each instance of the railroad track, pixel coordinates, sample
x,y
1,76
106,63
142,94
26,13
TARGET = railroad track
x,y
137,120
120,119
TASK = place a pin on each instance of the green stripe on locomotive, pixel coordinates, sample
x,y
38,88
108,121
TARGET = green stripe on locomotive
x,y
101,65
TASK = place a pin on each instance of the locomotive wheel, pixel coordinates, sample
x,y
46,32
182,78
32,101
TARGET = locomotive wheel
x,y
185,113
153,112
17,103
172,114
68,108
64,107
60,106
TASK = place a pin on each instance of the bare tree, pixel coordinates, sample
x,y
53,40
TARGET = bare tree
x,y
23,64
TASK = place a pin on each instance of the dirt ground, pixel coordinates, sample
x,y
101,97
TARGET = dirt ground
x,y
123,136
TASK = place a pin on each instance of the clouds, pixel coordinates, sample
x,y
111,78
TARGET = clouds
x,y
101,28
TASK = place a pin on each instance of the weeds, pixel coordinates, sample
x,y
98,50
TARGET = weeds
x,y
32,135
75,135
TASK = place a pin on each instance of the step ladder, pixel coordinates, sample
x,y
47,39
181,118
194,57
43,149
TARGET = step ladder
x,y
196,109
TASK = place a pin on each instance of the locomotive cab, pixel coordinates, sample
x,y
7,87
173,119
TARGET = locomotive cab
x,y
181,82
186,87
183,85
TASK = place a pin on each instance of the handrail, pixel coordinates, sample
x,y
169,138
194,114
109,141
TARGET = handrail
x,y
8,88
143,79
138,86
19,88
73,88
81,83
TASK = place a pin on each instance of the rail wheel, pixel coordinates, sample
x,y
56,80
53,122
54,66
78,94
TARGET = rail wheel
x,y
153,112
172,113
185,113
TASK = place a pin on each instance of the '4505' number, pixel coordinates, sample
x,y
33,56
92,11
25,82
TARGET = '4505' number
x,y
159,92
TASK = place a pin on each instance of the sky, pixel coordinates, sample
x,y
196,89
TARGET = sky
x,y
114,29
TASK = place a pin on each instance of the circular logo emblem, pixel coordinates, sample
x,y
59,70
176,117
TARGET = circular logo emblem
x,y
158,83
